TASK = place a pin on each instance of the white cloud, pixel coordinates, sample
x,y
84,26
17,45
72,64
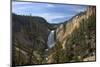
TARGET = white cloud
x,y
51,16
17,3
81,10
50,5
24,8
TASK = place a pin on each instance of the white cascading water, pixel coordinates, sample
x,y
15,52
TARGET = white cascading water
x,y
51,41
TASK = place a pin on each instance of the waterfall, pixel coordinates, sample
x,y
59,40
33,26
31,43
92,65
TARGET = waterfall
x,y
51,41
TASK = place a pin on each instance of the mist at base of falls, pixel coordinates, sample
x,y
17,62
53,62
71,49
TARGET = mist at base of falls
x,y
51,41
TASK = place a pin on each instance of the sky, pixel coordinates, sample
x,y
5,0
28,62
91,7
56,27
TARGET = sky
x,y
53,13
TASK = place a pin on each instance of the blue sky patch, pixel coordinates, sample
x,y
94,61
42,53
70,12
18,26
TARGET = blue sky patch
x,y
53,13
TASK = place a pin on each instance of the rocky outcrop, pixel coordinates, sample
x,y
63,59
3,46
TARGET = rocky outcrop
x,y
76,38
91,58
65,30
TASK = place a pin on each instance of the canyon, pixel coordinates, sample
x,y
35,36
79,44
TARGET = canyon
x,y
35,41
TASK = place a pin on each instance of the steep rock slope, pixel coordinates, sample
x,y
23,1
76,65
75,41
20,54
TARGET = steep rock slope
x,y
29,38
75,39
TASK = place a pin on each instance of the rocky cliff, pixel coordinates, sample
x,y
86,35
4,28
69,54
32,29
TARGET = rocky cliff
x,y
76,38
66,29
